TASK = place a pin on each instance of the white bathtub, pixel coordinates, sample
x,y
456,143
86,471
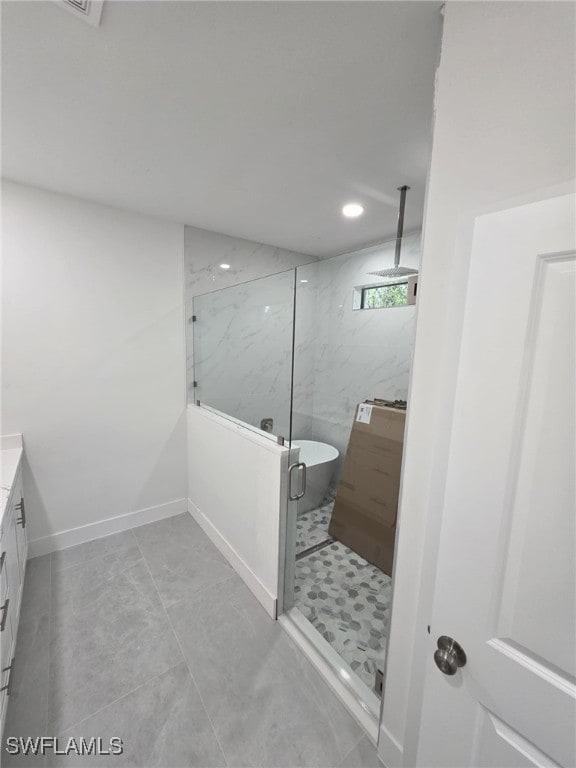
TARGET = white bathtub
x,y
321,460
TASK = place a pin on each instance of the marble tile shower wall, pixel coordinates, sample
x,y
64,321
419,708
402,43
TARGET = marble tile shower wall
x,y
306,339
243,350
342,355
204,251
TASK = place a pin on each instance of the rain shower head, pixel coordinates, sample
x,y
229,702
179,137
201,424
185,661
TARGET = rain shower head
x,y
397,271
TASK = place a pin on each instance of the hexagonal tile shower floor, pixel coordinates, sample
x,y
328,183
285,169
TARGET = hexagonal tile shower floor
x,y
312,526
346,599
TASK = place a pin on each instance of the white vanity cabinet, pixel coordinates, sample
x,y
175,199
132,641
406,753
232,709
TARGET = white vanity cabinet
x,y
13,554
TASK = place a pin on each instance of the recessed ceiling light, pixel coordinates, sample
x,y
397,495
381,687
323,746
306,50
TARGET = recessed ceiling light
x,y
303,281
352,210
224,266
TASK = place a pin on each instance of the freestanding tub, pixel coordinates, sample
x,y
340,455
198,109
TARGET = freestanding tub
x,y
320,460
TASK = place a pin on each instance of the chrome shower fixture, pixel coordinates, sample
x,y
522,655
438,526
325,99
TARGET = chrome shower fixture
x,y
397,270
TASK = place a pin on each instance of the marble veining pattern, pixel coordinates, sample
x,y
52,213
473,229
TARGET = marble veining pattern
x,y
344,356
341,356
204,251
149,635
243,350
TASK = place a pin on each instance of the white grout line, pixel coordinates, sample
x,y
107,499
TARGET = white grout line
x,y
128,693
124,695
362,736
89,559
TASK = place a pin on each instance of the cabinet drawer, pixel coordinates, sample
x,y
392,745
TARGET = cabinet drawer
x,y
12,573
4,608
6,642
13,553
6,665
19,508
3,567
7,622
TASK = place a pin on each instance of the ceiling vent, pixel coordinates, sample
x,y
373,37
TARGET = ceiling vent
x,y
88,10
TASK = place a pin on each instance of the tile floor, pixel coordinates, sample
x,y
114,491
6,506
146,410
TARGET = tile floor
x,y
312,526
346,599
150,636
343,596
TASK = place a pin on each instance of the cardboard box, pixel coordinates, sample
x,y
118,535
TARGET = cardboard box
x,y
366,507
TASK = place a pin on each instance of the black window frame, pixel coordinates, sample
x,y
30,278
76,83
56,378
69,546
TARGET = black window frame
x,y
403,281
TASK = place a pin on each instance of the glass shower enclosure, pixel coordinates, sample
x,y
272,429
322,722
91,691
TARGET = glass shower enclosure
x,y
291,356
242,352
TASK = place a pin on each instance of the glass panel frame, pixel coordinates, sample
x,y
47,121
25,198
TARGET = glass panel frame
x,y
247,383
342,357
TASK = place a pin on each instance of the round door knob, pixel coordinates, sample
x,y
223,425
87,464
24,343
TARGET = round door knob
x,y
449,656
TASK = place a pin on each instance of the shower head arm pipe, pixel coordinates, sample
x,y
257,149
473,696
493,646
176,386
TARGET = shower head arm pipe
x,y
400,229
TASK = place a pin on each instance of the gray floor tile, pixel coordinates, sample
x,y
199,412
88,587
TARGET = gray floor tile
x,y
30,760
162,723
36,595
107,637
363,755
163,533
181,558
116,665
117,543
76,587
26,715
268,705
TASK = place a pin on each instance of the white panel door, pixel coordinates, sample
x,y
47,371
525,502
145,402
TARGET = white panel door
x,y
506,580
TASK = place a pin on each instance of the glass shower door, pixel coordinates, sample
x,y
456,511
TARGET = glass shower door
x,y
345,353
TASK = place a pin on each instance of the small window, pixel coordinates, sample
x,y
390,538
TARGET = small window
x,y
383,296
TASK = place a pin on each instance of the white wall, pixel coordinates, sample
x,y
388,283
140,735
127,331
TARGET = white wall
x,y
503,134
238,495
93,362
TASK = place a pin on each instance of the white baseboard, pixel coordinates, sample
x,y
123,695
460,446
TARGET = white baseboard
x,y
264,597
84,533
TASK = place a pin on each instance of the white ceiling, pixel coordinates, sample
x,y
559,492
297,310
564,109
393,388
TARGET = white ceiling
x,y
255,119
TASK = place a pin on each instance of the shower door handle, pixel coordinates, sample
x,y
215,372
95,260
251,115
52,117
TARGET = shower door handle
x,y
297,465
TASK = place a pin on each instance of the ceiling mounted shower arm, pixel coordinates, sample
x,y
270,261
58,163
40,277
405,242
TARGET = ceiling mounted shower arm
x,y
400,229
397,271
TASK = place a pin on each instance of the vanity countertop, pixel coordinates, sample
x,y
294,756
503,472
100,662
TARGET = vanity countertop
x,y
10,457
